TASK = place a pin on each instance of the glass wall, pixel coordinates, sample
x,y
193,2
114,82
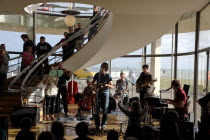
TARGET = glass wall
x,y
204,34
185,73
186,34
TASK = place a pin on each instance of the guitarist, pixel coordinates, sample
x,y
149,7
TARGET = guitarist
x,y
104,82
141,83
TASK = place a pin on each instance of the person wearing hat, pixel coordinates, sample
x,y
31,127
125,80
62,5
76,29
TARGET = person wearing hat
x,y
87,95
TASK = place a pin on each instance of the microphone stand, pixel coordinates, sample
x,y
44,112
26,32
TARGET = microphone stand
x,y
131,84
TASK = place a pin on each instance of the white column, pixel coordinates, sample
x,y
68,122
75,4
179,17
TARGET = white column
x,y
155,66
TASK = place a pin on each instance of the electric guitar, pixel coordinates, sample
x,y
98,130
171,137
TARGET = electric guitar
x,y
140,87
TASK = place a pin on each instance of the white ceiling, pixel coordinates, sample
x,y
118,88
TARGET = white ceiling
x,y
135,23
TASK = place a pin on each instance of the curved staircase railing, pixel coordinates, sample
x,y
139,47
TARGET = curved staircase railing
x,y
32,76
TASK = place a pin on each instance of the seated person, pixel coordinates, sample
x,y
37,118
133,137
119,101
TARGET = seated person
x,y
180,99
57,129
45,135
121,85
86,102
25,132
82,131
112,135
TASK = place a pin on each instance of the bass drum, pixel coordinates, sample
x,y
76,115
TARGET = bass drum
x,y
112,104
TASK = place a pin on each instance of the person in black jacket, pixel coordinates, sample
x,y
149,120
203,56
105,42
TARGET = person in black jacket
x,y
62,89
28,42
69,51
43,48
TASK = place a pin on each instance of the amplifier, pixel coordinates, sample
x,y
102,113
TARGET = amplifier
x,y
20,113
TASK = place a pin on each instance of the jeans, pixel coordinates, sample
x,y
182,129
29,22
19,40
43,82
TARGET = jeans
x,y
102,101
50,104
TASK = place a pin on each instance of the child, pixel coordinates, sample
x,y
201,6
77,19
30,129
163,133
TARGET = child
x,y
27,58
25,133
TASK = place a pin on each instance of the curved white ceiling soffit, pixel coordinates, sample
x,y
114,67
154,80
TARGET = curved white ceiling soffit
x,y
135,23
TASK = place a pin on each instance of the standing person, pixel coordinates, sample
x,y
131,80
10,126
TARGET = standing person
x,y
28,42
121,84
104,82
27,58
94,29
180,99
43,48
64,46
3,69
51,91
80,39
144,78
62,88
71,44
4,48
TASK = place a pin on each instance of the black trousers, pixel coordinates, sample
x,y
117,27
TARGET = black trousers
x,y
142,96
50,104
102,101
63,92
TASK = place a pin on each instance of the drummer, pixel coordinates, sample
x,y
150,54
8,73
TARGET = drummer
x,y
121,85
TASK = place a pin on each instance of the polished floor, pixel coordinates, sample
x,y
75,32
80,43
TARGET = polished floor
x,y
115,120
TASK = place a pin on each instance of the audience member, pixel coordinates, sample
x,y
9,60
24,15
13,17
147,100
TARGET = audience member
x,y
112,135
27,58
57,129
204,127
28,42
43,48
46,135
71,44
150,132
3,127
4,48
80,39
3,69
94,29
25,133
133,132
135,117
51,91
82,131
64,46
168,128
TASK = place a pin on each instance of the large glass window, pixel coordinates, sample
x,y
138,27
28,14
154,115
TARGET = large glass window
x,y
138,52
204,36
130,66
186,33
185,73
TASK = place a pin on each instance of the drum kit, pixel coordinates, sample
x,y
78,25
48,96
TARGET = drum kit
x,y
122,96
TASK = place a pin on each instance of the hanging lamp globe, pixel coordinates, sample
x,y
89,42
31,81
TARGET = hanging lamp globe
x,y
70,20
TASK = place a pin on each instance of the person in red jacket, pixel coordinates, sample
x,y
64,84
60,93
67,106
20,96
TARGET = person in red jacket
x,y
72,90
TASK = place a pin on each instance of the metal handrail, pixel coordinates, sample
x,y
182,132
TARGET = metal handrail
x,y
61,52
45,56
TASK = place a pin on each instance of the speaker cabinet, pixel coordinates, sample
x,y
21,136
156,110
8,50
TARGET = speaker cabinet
x,y
20,113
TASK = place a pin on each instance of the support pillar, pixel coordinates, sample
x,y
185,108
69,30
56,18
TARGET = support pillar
x,y
155,65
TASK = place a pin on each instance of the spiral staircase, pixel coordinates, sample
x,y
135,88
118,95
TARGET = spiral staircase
x,y
27,82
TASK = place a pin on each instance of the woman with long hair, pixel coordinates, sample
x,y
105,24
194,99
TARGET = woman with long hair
x,y
135,116
51,91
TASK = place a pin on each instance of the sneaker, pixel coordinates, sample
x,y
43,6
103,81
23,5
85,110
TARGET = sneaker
x,y
67,115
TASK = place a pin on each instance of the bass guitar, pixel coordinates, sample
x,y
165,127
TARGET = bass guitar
x,y
140,87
